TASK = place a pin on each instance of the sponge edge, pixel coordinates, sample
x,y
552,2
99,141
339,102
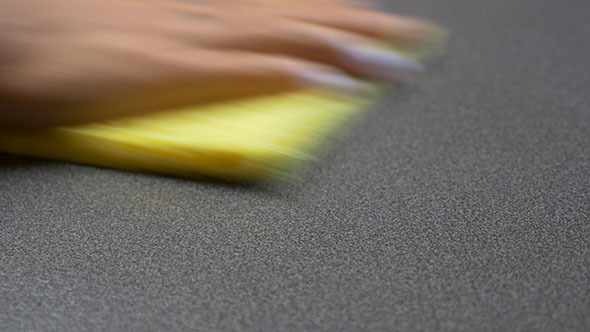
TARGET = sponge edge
x,y
262,138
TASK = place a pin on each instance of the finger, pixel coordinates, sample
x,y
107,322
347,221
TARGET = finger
x,y
353,53
353,16
203,75
386,27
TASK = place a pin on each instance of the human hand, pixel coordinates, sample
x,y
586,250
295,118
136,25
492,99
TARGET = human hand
x,y
67,61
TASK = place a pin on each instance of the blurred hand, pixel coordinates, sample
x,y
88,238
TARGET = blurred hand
x,y
67,61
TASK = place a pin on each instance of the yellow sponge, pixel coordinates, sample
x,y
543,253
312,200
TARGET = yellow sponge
x,y
258,138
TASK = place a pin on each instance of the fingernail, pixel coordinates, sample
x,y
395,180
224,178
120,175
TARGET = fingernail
x,y
383,63
335,82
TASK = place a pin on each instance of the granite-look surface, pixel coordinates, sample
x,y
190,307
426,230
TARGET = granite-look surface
x,y
460,204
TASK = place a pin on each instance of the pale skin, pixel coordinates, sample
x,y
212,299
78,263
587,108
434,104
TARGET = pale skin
x,y
71,61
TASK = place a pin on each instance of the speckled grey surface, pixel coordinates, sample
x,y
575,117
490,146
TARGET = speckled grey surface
x,y
460,204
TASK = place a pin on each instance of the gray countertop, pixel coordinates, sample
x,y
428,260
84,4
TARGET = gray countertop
x,y
461,203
